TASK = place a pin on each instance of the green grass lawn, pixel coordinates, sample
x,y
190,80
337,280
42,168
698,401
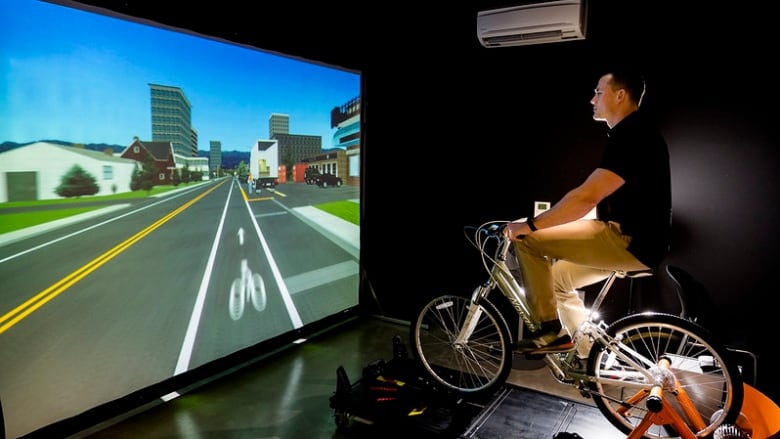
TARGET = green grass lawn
x,y
347,210
70,201
15,221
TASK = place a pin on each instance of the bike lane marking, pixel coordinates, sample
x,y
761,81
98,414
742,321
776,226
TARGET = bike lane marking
x,y
185,354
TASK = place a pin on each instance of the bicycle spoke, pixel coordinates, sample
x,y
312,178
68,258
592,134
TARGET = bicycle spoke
x,y
675,355
477,360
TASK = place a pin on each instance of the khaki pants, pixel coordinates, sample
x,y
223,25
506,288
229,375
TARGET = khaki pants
x,y
556,261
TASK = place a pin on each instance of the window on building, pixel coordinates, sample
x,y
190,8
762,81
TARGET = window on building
x,y
108,172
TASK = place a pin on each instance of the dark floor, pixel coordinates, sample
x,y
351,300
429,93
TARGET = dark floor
x,y
285,396
290,394
295,393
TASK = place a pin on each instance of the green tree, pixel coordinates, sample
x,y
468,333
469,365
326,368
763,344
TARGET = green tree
x,y
185,174
143,178
77,182
135,179
243,171
176,177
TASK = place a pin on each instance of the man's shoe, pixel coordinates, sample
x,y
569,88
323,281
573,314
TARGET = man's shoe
x,y
563,343
546,340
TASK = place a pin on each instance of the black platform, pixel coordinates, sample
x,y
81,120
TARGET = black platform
x,y
516,412
392,398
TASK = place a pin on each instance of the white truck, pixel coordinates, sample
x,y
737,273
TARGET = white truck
x,y
264,163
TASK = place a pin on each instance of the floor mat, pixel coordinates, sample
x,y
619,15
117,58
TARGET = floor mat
x,y
517,412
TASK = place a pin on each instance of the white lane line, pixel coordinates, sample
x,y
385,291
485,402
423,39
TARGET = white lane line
x,y
185,354
292,311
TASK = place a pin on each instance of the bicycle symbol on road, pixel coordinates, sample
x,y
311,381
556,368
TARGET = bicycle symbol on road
x,y
248,287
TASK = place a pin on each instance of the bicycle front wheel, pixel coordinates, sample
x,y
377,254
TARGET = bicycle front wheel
x,y
695,373
477,363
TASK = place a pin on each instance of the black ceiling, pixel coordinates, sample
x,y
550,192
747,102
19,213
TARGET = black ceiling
x,y
322,31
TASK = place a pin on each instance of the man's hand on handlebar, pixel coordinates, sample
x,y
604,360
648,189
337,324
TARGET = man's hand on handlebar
x,y
516,229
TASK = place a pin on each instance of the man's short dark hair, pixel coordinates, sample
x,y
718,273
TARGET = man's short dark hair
x,y
631,80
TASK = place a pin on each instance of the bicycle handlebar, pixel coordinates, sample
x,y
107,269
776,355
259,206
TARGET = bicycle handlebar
x,y
479,236
492,229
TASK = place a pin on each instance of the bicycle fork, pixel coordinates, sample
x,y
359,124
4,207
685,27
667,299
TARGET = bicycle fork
x,y
474,313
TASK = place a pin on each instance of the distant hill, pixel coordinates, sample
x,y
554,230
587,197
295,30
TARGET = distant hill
x,y
230,159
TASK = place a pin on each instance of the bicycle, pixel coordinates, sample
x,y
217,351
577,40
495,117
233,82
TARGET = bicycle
x,y
642,371
249,287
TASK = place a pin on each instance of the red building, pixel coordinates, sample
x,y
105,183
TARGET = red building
x,y
161,153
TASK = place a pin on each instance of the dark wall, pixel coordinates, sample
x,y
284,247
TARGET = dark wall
x,y
482,133
495,129
457,134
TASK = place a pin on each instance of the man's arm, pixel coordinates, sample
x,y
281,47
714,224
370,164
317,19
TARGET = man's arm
x,y
575,204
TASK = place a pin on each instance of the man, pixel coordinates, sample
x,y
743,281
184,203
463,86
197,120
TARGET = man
x,y
631,189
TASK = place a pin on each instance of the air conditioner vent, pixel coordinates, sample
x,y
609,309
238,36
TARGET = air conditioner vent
x,y
535,23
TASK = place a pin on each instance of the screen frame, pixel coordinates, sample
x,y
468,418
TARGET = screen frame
x,y
151,395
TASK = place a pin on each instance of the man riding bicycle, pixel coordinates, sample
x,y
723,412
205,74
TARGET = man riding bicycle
x,y
631,189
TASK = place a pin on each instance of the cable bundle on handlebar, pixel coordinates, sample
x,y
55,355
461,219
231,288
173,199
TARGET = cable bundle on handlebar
x,y
489,239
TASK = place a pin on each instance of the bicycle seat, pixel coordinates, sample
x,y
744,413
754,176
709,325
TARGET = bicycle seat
x,y
634,273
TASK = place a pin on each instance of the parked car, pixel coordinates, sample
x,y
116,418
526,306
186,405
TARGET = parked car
x,y
325,180
310,175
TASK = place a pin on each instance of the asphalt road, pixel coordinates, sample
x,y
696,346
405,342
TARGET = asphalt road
x,y
96,307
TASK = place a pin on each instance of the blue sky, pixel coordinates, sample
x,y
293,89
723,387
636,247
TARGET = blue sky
x,y
82,77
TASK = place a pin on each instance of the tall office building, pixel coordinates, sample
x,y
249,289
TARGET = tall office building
x,y
215,155
172,119
278,124
293,148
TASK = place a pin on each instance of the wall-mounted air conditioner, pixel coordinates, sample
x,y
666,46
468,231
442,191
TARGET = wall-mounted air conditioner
x,y
533,23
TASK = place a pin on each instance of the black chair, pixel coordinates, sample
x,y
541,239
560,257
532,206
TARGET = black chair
x,y
695,306
693,296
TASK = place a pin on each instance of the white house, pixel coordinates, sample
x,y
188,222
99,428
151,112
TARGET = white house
x,y
194,164
34,171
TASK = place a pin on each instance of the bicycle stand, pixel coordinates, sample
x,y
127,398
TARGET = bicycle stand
x,y
660,413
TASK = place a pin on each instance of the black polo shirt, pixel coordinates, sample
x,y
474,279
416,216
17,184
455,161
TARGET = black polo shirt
x,y
637,152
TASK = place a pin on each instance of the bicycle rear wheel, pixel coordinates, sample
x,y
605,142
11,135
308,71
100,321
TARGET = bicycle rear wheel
x,y
702,383
479,364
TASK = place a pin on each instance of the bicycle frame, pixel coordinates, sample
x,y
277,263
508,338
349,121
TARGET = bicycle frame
x,y
466,345
502,278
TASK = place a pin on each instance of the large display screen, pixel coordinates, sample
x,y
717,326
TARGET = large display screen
x,y
174,258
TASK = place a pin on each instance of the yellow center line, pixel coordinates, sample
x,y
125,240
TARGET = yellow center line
x,y
270,197
34,303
